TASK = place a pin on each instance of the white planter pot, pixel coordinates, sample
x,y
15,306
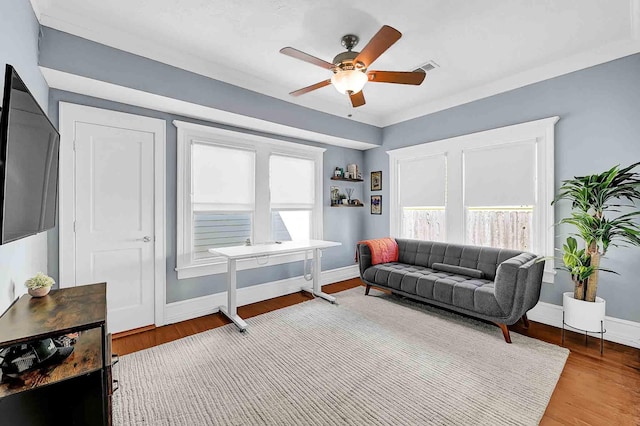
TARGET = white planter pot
x,y
585,316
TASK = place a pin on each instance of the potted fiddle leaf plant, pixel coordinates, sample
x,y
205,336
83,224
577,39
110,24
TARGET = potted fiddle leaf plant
x,y
593,198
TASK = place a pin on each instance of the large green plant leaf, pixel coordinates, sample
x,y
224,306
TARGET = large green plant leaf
x,y
599,192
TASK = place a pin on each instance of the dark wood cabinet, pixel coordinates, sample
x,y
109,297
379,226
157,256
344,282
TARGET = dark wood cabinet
x,y
76,391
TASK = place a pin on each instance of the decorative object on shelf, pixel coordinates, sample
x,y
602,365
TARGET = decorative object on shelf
x,y
376,181
39,285
335,195
341,198
591,197
349,192
376,204
353,171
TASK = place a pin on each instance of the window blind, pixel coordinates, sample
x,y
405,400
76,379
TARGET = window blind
x,y
422,181
223,178
292,182
503,175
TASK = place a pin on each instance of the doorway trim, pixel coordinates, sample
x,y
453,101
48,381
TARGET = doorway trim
x,y
69,115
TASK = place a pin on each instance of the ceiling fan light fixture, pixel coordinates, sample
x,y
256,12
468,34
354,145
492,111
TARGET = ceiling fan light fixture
x,y
349,81
350,68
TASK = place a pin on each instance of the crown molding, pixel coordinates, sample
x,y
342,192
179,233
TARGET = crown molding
x,y
112,92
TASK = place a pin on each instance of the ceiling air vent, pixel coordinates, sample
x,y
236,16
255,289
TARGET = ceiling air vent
x,y
429,66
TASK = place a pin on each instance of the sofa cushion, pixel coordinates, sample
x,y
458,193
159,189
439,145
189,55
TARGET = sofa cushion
x,y
460,270
473,294
426,253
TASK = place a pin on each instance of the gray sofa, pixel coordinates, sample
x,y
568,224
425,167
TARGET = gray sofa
x,y
492,284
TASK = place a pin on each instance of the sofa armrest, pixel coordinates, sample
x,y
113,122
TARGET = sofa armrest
x,y
534,283
364,258
517,284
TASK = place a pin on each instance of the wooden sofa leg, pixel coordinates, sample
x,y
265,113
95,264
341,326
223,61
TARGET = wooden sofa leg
x,y
525,321
366,292
505,332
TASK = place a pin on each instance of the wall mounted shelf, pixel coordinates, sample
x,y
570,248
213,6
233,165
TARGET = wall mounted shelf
x,y
347,179
347,205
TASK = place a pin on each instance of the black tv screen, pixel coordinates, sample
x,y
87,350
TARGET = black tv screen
x,y
29,149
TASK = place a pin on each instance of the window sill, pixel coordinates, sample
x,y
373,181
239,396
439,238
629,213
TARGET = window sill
x,y
220,267
549,276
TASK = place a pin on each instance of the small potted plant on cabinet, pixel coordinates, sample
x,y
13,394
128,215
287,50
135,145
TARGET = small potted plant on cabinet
x,y
39,285
614,191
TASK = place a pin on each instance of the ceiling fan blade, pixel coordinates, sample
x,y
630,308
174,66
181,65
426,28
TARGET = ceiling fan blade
x,y
398,77
380,42
357,99
310,88
295,53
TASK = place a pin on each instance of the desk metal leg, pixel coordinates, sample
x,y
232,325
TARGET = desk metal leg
x,y
231,310
317,285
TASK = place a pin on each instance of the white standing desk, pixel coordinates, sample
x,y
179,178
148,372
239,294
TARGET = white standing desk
x,y
236,253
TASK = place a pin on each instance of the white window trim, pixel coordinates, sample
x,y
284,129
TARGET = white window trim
x,y
263,147
542,131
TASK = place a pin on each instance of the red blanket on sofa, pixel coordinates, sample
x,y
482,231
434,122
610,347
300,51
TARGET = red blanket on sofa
x,y
383,250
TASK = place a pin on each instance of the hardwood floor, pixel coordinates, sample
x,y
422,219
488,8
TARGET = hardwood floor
x,y
592,390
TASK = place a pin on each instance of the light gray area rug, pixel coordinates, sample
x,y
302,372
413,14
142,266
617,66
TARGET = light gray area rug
x,y
367,361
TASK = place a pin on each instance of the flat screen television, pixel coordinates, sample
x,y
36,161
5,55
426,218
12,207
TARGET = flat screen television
x,y
29,149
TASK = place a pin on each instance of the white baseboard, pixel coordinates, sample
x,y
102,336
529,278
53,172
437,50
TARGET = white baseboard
x,y
618,330
205,305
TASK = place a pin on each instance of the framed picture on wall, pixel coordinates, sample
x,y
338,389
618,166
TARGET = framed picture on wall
x,y
376,204
376,181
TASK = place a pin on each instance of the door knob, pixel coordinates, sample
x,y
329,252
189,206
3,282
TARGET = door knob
x,y
144,239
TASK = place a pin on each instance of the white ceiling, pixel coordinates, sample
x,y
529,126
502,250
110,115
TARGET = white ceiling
x,y
483,47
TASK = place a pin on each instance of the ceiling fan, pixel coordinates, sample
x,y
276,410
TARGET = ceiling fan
x,y
350,69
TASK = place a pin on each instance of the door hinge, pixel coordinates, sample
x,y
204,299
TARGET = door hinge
x,y
74,226
74,144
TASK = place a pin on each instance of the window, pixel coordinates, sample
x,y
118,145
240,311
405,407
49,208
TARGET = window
x,y
223,197
500,194
292,184
492,188
233,187
422,190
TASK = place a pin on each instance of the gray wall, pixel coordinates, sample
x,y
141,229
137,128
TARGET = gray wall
x,y
344,225
599,127
19,28
65,52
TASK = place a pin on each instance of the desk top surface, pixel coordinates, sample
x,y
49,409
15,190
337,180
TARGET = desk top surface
x,y
240,252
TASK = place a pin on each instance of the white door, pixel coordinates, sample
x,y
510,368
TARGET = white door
x,y
114,219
